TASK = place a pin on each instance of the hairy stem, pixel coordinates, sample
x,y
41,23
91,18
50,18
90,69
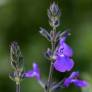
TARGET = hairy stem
x,y
58,85
51,65
17,87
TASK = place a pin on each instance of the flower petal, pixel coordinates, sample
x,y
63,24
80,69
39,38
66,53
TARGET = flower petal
x,y
36,70
67,82
67,50
79,83
33,73
35,67
63,64
74,75
29,74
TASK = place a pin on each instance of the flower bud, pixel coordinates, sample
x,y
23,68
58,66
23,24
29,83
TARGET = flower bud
x,y
54,15
16,57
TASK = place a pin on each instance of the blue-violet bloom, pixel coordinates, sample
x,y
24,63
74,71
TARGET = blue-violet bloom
x,y
65,48
33,73
63,62
73,78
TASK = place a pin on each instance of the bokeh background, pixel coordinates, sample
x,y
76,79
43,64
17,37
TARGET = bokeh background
x,y
20,21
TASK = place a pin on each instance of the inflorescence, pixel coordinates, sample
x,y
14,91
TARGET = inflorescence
x,y
60,54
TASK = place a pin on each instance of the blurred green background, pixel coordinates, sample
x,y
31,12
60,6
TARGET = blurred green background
x,y
20,21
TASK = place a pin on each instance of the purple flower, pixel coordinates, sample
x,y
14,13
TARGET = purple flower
x,y
63,63
33,73
73,78
63,60
65,48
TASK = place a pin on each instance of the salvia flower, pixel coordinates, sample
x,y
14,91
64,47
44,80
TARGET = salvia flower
x,y
33,73
63,60
73,78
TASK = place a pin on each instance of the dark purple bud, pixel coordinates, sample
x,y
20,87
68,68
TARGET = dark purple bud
x,y
54,22
54,15
48,53
54,10
45,33
65,34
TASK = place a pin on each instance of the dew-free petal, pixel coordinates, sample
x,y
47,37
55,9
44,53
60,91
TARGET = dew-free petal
x,y
79,83
73,78
29,74
33,73
63,64
36,70
66,49
67,82
35,67
74,75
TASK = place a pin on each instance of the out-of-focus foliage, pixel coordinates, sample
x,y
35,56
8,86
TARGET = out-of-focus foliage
x,y
20,21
